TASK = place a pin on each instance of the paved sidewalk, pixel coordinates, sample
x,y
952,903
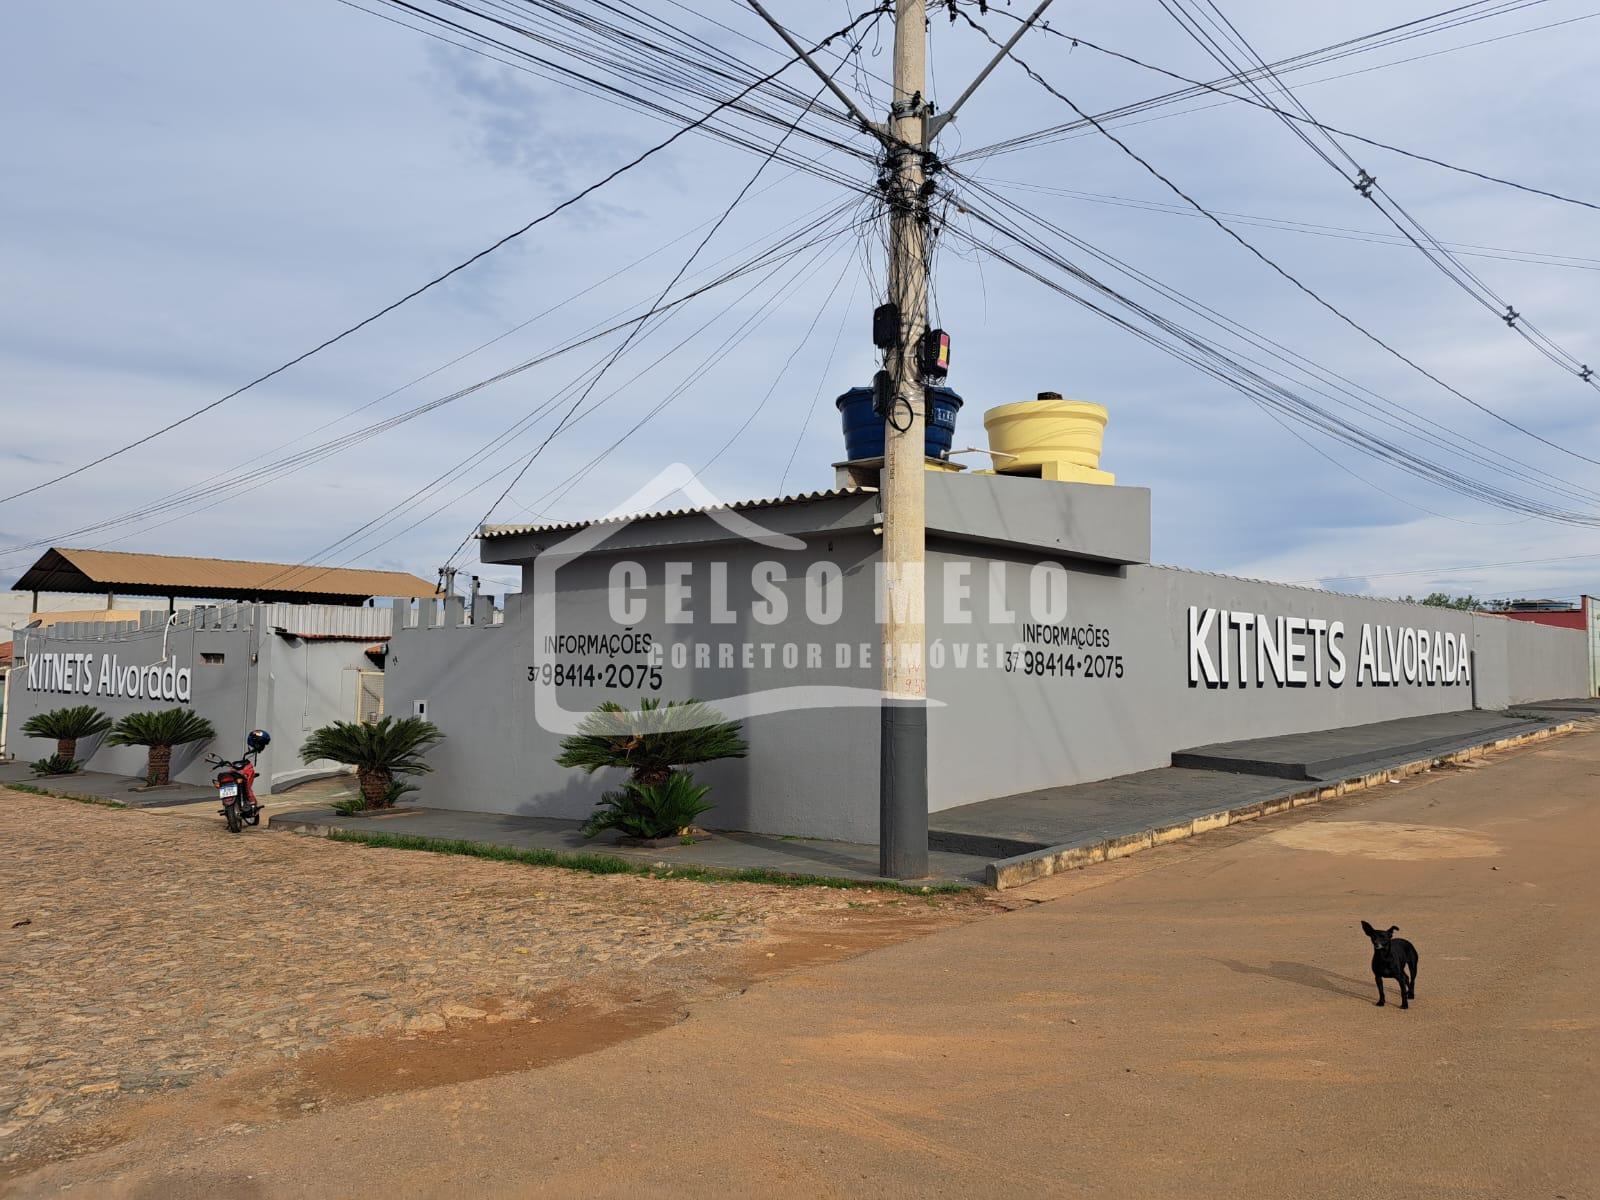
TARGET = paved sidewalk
x,y
177,799
721,851
1218,779
1093,812
1323,754
100,785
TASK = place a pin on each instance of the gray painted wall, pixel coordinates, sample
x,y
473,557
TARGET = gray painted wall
x,y
810,772
288,686
1021,732
992,732
222,693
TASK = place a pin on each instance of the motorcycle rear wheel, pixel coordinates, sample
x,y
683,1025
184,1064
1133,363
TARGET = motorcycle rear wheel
x,y
231,811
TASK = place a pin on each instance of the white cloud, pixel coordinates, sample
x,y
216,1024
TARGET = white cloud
x,y
202,190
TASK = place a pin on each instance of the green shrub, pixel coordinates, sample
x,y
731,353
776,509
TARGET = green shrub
x,y
56,764
66,726
389,747
650,810
650,742
656,801
350,805
160,731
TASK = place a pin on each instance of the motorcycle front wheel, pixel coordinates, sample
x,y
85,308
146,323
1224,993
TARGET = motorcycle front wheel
x,y
235,823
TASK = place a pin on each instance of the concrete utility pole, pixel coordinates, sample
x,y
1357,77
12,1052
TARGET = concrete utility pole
x,y
903,769
906,138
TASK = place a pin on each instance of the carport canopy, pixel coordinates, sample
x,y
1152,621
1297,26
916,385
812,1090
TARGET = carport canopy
x,y
116,572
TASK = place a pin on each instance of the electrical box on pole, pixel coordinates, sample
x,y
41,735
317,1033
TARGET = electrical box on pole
x,y
913,355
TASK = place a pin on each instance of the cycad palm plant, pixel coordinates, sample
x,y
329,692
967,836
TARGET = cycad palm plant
x,y
160,731
651,741
66,726
390,746
656,801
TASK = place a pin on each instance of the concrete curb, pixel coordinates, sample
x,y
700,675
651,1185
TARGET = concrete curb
x,y
1024,868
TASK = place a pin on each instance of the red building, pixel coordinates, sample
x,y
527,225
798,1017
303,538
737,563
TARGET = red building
x,y
1551,612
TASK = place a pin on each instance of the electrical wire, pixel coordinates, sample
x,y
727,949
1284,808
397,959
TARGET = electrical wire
x,y
1222,89
1174,339
1419,27
438,279
525,424
1323,381
727,212
1301,286
756,410
729,343
1328,149
822,382
203,496
1515,562
557,492
1336,232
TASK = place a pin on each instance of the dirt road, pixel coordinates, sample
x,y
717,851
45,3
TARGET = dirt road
x,y
1193,1022
144,957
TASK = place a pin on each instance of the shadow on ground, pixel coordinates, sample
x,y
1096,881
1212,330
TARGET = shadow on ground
x,y
1303,974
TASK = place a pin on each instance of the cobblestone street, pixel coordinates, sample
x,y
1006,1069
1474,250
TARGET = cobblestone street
x,y
143,953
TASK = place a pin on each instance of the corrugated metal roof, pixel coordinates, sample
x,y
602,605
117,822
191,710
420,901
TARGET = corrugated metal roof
x,y
495,531
62,569
318,622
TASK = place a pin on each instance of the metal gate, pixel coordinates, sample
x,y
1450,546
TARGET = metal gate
x,y
369,697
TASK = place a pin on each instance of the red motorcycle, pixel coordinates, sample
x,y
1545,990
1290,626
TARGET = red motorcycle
x,y
236,782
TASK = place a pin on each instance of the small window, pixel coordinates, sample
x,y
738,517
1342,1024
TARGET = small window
x,y
213,660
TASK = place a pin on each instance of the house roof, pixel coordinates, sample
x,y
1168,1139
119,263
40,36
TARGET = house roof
x,y
61,569
1080,520
497,531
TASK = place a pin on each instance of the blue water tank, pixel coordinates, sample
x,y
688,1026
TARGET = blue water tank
x,y
863,428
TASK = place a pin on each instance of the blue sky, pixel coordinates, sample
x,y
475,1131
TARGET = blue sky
x,y
198,190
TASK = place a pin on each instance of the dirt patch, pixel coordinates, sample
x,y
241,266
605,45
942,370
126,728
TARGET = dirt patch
x,y
566,1027
1386,840
492,1036
361,1068
867,928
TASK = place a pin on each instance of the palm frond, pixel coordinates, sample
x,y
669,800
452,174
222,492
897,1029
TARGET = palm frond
x,y
650,810
165,727
393,744
80,721
652,739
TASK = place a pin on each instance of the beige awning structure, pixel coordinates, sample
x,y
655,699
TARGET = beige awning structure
x,y
116,572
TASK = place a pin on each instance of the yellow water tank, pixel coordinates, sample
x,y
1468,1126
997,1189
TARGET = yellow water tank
x,y
1049,438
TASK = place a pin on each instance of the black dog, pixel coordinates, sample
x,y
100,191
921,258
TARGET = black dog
x,y
1392,957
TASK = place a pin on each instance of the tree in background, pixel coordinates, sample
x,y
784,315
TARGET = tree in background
x,y
1467,603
